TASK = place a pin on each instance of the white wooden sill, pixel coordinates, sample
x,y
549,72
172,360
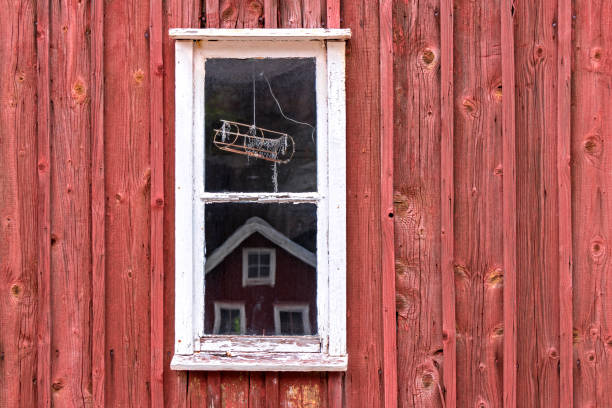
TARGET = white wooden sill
x,y
236,361
246,34
266,344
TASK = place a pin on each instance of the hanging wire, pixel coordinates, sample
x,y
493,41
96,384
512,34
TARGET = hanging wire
x,y
283,113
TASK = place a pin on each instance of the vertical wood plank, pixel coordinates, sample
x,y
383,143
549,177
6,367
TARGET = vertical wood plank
x,y
291,13
129,212
417,202
213,398
311,13
335,390
70,158
251,14
234,390
509,202
565,258
18,208
212,13
98,207
363,379
257,390
478,203
591,167
156,153
302,390
272,391
333,14
386,205
177,13
43,371
271,13
228,14
447,202
537,204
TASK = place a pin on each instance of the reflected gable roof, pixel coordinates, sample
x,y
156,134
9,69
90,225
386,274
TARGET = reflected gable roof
x,y
253,225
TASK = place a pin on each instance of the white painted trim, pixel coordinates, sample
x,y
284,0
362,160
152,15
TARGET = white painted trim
x,y
245,34
287,307
270,280
190,197
257,344
336,103
297,362
253,225
229,306
261,197
183,196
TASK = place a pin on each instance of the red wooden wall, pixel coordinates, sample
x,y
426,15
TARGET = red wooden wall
x,y
480,178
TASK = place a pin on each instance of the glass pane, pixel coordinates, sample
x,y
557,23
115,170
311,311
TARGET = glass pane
x,y
253,272
253,259
264,259
231,227
297,323
285,321
260,125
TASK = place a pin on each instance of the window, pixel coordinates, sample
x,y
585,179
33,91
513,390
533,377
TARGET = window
x,y
258,266
260,192
291,319
229,318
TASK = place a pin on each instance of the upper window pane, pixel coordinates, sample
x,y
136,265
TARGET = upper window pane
x,y
260,125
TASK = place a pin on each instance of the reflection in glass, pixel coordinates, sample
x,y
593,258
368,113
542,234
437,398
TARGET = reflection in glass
x,y
261,260
260,125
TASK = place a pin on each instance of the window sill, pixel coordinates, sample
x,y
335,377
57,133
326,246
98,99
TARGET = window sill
x,y
259,362
260,344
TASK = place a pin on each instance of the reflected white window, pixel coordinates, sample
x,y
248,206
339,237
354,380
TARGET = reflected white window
x,y
291,320
258,266
229,318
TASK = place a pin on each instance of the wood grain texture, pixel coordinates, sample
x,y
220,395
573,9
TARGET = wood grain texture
x,y
157,199
212,13
177,13
128,188
363,379
537,204
70,158
290,13
19,248
43,236
311,13
389,318
271,13
508,96
333,14
98,207
591,166
417,204
478,233
565,256
447,203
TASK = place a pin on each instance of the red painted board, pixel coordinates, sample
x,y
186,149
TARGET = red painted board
x,y
416,175
591,166
447,204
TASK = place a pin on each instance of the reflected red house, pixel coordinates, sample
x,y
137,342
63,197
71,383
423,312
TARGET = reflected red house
x,y
260,282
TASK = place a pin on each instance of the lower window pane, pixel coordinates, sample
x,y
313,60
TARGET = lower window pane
x,y
285,274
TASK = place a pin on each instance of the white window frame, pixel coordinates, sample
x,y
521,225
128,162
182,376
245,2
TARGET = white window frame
x,y
271,279
193,349
287,307
230,306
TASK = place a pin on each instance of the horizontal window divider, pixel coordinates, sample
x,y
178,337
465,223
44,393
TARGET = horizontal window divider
x,y
261,197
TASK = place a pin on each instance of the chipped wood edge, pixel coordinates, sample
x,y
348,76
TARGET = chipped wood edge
x,y
293,362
